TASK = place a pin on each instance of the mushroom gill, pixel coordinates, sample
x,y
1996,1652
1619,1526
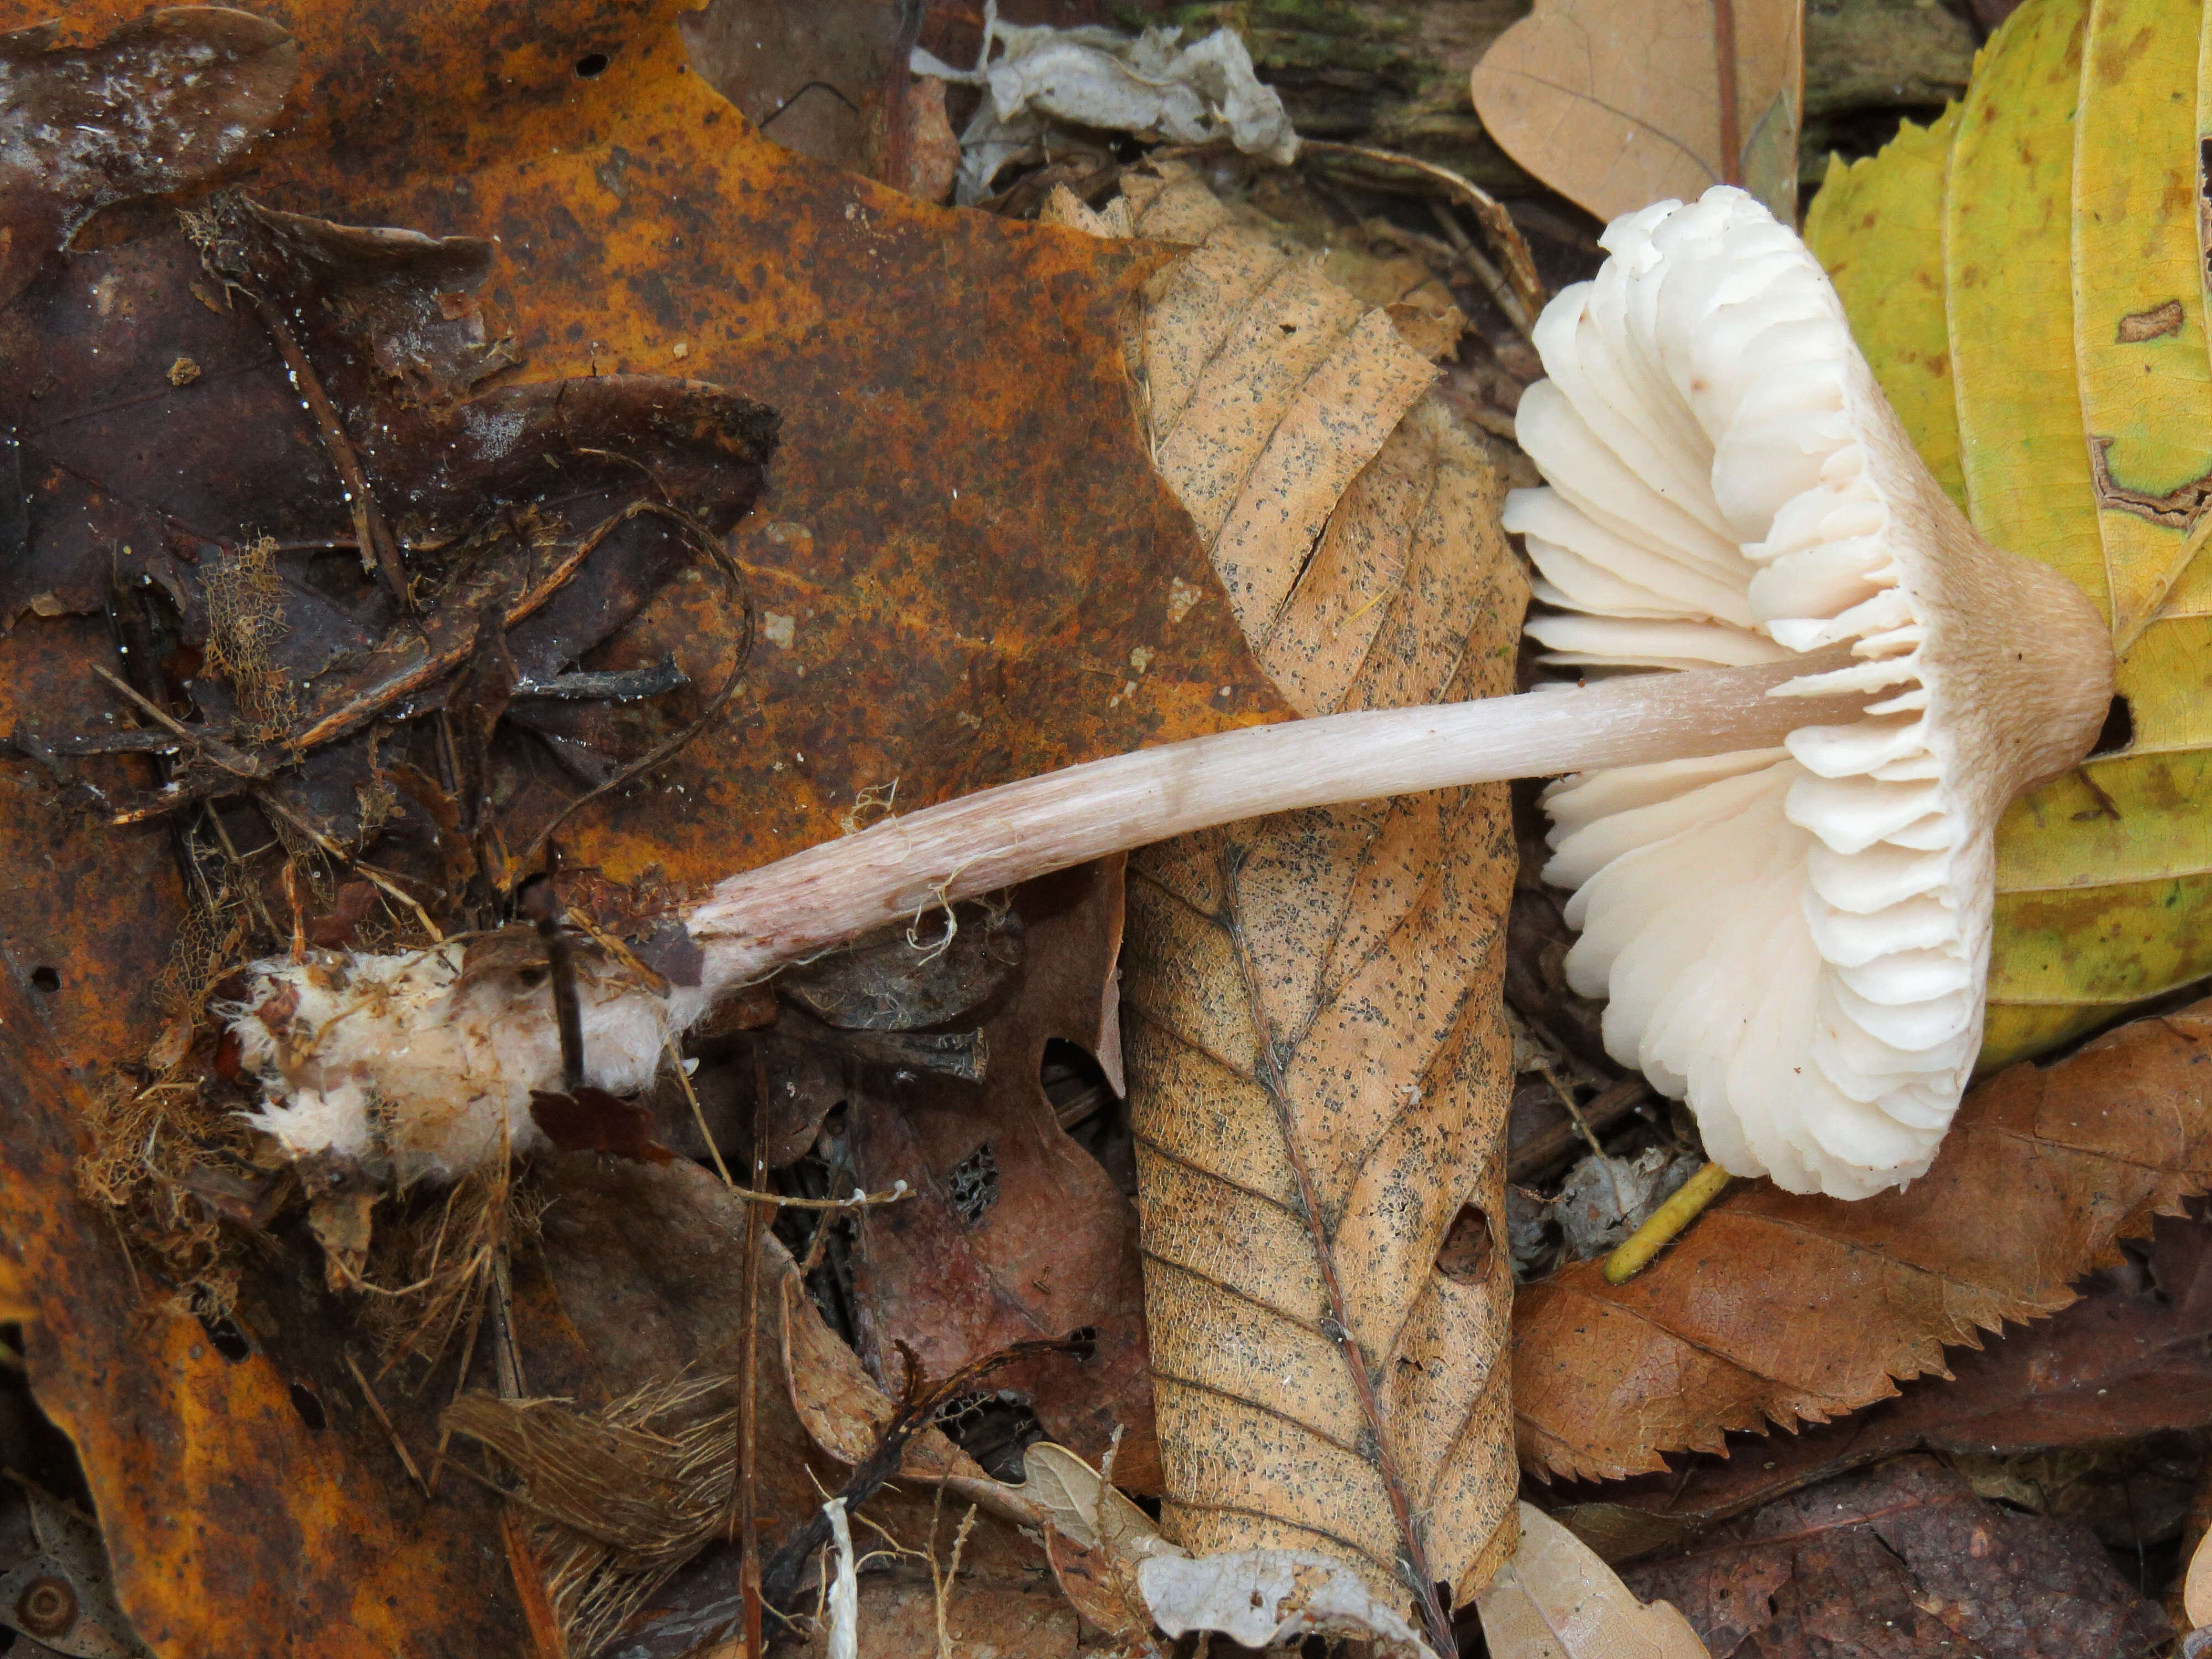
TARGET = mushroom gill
x,y
1793,938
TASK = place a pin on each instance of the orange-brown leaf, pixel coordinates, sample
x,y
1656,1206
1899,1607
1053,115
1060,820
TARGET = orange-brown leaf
x,y
1778,1308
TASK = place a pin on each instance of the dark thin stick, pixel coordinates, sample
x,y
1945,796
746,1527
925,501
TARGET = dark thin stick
x,y
898,118
1548,1147
1504,235
406,1457
703,541
381,554
749,1561
1414,1557
1724,70
540,904
233,760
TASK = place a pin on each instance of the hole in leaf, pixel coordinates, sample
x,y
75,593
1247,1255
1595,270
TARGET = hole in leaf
x,y
227,1339
310,1408
1465,1254
2118,731
994,1428
590,64
46,979
973,1186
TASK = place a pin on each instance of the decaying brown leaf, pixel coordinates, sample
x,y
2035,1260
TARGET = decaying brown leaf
x,y
166,100
1555,1600
1315,1052
1905,1560
1014,1231
1620,105
1777,1307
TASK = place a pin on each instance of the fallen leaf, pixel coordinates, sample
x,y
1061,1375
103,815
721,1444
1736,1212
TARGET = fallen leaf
x,y
165,100
642,227
2007,273
2130,1359
1904,1560
1777,1307
1554,1599
1316,1057
1617,105
1265,1598
1014,1231
2197,1586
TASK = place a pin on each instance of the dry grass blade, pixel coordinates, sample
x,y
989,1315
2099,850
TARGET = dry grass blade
x,y
1780,1308
618,1501
1314,1045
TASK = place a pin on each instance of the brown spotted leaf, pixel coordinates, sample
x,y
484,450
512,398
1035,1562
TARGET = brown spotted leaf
x,y
1777,1309
1316,1051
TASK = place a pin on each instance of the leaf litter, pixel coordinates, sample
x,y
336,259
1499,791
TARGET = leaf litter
x,y
955,1064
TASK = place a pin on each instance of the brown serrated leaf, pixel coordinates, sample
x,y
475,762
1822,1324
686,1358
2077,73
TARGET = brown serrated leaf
x,y
1618,104
1316,1053
2129,1359
1777,1307
1904,1561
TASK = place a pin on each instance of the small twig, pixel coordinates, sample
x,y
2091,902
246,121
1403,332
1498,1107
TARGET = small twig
x,y
749,1560
699,1116
1497,223
1731,117
699,1612
406,1457
1464,252
1661,1226
379,554
859,1200
1547,1147
702,541
1567,1094
542,908
233,761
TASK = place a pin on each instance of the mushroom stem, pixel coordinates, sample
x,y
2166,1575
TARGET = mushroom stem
x,y
899,869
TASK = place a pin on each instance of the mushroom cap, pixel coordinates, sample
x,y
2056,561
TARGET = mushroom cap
x,y
1794,939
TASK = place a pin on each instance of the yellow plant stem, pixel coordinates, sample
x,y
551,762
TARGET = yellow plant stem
x,y
1660,1227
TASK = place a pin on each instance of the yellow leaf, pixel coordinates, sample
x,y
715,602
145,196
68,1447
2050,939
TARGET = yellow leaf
x,y
2070,302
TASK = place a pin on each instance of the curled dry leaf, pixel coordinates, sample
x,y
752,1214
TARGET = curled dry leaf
x,y
1315,1052
1617,105
1779,1308
1014,1232
1555,1600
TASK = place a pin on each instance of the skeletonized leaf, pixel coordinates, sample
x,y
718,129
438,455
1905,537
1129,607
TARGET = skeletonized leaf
x,y
1314,1048
1556,1599
1621,103
1777,1307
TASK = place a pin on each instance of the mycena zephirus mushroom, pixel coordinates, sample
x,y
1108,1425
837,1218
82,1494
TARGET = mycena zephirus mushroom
x,y
1781,841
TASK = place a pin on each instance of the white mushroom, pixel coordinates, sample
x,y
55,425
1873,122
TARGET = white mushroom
x,y
1793,938
1784,868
